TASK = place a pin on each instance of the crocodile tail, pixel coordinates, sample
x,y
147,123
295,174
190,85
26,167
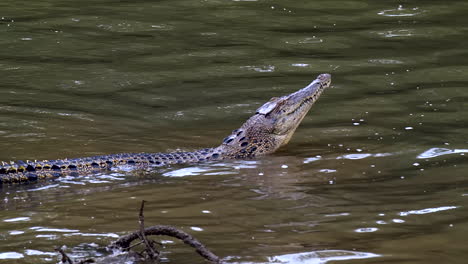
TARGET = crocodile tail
x,y
21,171
21,177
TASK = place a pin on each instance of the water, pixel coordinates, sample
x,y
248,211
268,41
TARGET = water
x,y
376,173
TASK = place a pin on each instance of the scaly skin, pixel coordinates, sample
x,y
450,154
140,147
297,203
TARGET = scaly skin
x,y
271,127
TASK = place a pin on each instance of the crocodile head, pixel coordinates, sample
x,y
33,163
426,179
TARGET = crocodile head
x,y
274,123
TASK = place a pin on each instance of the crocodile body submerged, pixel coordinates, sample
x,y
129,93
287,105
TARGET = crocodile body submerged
x,y
271,127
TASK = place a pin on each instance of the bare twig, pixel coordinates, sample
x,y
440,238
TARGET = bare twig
x,y
134,245
152,254
65,258
161,230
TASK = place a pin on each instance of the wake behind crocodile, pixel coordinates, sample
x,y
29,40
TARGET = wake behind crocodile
x,y
270,128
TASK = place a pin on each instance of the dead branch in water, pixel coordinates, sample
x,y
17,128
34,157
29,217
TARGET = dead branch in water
x,y
161,230
124,242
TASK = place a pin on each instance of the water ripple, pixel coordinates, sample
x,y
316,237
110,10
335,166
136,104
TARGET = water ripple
x,y
397,33
400,11
11,255
366,230
15,232
60,230
355,156
321,256
46,187
312,159
112,235
33,252
428,210
435,152
17,219
263,68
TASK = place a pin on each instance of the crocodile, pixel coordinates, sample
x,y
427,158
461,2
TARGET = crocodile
x,y
270,128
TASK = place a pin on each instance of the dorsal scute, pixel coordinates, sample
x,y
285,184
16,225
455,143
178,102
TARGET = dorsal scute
x,y
268,106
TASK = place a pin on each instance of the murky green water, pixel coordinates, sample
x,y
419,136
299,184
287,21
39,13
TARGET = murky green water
x,y
377,172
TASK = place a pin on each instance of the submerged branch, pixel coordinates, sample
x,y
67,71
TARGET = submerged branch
x,y
162,230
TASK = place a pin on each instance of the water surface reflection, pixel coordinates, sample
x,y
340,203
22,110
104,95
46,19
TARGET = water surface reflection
x,y
376,173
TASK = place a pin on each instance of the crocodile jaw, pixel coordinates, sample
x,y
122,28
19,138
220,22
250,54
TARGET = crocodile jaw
x,y
294,107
